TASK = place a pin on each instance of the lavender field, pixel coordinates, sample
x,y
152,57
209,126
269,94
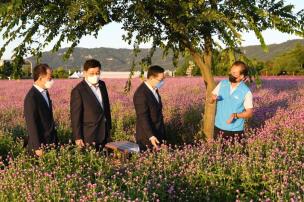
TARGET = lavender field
x,y
270,167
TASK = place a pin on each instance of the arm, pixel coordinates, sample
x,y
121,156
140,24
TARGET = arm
x,y
32,119
248,105
76,109
107,110
107,103
248,113
142,111
214,94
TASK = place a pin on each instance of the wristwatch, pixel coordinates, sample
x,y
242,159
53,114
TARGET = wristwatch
x,y
235,116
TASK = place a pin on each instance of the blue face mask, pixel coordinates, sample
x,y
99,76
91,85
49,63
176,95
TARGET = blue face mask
x,y
159,84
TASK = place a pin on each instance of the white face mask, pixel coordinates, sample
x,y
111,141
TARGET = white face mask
x,y
93,79
49,84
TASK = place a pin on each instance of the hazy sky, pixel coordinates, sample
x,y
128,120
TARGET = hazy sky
x,y
111,36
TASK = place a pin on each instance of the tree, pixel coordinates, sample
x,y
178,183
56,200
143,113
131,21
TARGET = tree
x,y
182,70
27,69
12,69
195,26
222,60
60,73
17,64
51,21
6,69
291,61
185,27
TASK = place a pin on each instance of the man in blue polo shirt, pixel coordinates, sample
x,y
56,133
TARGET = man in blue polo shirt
x,y
234,103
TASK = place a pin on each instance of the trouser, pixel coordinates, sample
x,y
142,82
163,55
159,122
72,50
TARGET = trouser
x,y
232,136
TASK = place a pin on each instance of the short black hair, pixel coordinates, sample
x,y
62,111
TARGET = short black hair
x,y
154,71
91,63
40,70
244,68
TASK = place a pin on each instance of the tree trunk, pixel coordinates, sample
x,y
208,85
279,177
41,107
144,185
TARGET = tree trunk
x,y
204,62
209,109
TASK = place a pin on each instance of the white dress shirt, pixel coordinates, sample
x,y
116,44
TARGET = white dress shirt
x,y
153,91
43,93
248,103
96,91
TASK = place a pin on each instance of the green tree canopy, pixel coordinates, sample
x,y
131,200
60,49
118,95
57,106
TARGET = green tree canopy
x,y
60,73
41,22
6,69
291,61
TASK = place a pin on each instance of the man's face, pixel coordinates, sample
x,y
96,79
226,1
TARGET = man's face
x,y
45,78
236,72
92,72
155,80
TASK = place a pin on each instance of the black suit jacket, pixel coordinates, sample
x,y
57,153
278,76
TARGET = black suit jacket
x,y
87,114
149,117
39,120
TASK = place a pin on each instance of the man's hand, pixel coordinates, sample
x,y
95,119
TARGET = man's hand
x,y
229,121
39,152
109,139
154,142
79,143
213,99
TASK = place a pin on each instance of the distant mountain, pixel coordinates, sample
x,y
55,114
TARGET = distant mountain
x,y
110,58
256,52
121,59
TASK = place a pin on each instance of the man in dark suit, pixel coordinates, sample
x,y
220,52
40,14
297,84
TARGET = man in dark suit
x,y
150,130
38,111
90,108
